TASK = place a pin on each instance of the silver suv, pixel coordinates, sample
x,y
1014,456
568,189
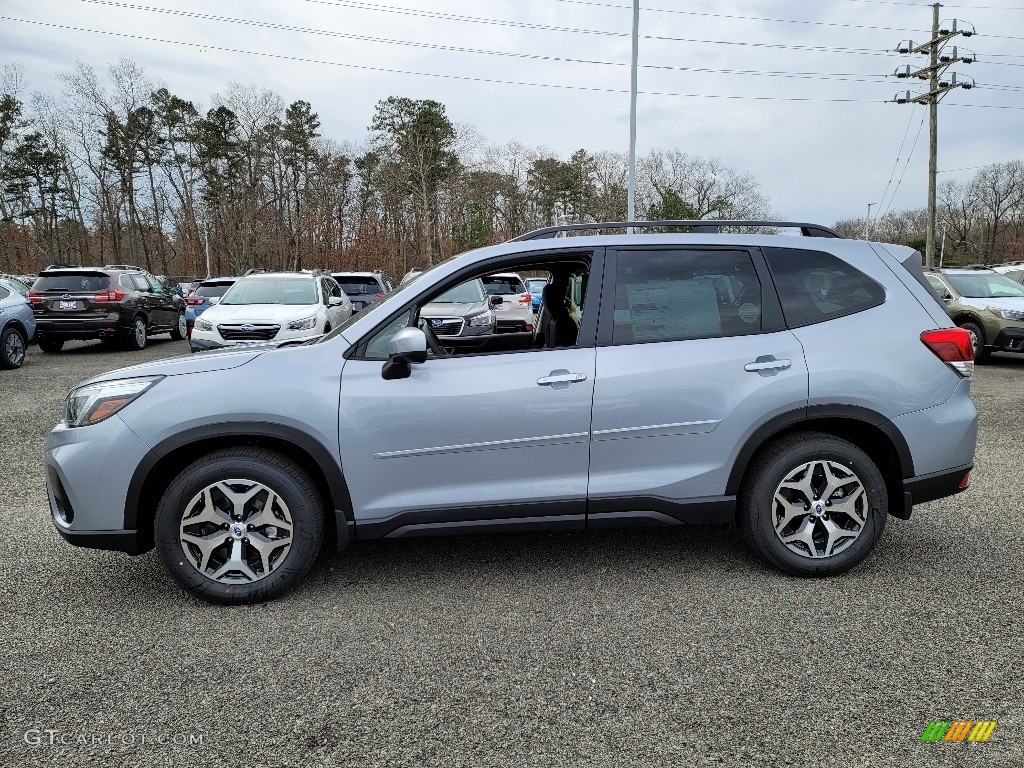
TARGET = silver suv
x,y
806,388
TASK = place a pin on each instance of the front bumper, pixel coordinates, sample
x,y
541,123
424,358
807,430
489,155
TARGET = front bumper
x,y
204,341
1009,340
88,471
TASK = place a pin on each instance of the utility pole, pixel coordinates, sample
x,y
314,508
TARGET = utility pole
x,y
631,191
937,88
867,221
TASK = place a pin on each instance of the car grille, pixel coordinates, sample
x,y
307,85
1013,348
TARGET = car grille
x,y
248,332
446,326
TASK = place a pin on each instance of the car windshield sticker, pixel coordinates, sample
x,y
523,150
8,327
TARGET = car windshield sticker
x,y
749,312
673,309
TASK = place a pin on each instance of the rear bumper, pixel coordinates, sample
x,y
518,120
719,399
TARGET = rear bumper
x,y
925,488
90,328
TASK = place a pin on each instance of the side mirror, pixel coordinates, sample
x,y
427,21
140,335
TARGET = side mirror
x,y
407,346
335,301
495,301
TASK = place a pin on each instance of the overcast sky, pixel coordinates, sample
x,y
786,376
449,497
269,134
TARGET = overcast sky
x,y
822,149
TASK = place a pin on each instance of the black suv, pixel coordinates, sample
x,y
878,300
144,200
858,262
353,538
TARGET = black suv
x,y
364,288
109,303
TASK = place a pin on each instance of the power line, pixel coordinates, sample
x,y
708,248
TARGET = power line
x,y
706,14
905,166
896,165
468,78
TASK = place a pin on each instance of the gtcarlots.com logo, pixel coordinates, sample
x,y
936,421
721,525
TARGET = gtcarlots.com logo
x,y
38,737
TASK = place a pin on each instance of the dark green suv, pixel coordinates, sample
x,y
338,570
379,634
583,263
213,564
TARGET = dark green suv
x,y
986,304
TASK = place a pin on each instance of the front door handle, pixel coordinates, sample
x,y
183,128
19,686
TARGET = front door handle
x,y
767,365
561,379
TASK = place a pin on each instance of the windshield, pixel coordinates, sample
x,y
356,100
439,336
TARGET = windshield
x,y
985,286
72,282
263,290
355,285
469,292
212,289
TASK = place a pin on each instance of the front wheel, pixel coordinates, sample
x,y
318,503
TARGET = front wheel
x,y
241,525
813,504
977,340
180,330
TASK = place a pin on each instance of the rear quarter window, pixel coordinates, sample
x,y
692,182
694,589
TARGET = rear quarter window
x,y
815,286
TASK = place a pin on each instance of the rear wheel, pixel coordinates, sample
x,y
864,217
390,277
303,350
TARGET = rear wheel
x,y
180,331
51,345
241,525
813,504
136,340
12,348
977,335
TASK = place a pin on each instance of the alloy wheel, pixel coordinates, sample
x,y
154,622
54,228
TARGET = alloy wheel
x,y
14,349
236,531
182,327
820,508
140,333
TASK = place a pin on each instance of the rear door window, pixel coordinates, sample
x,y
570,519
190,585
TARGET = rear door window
x,y
141,283
815,286
677,294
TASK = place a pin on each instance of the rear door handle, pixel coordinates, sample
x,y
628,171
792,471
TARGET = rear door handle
x,y
561,379
767,365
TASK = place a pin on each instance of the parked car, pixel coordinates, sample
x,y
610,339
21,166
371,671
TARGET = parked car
x,y
411,275
171,285
827,393
111,303
272,306
18,283
17,325
205,295
364,288
1013,270
462,311
988,305
535,285
515,312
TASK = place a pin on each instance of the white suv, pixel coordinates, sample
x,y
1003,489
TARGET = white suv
x,y
272,306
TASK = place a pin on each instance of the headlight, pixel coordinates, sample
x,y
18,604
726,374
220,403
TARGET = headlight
x,y
1006,314
302,325
484,318
95,402
203,325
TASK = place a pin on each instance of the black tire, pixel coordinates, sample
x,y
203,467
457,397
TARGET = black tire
x,y
50,345
980,353
13,346
327,328
757,507
136,339
256,465
180,330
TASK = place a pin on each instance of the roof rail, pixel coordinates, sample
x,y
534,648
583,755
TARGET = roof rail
x,y
123,266
703,226
63,266
253,271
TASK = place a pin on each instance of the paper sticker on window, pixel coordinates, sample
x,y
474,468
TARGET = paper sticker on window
x,y
749,312
675,309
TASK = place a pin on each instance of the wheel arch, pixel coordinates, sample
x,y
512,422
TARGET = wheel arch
x,y
870,431
971,317
169,457
20,326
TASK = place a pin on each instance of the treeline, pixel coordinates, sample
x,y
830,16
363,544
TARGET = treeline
x,y
983,219
117,169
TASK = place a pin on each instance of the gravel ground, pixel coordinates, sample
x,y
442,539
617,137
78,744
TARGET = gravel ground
x,y
637,648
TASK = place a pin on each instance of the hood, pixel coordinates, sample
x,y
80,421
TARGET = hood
x,y
176,366
258,313
453,310
1015,303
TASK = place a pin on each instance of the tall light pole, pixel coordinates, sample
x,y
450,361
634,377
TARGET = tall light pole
x,y
867,221
631,192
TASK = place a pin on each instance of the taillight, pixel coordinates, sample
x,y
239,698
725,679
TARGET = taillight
x,y
952,346
34,298
526,298
106,296
195,301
